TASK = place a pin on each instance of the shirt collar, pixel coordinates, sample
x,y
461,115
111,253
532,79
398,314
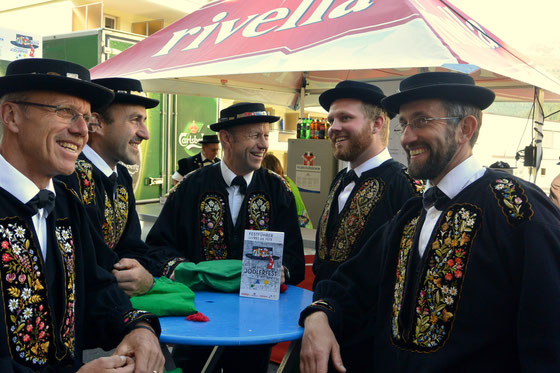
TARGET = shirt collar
x,y
372,163
98,161
17,184
458,178
228,174
202,156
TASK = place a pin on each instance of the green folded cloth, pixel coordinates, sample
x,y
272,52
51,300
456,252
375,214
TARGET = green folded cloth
x,y
167,298
223,275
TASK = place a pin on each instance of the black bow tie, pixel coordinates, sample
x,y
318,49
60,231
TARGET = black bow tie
x,y
349,176
43,199
434,197
240,181
113,178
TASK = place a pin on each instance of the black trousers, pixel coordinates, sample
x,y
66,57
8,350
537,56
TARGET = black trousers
x,y
247,359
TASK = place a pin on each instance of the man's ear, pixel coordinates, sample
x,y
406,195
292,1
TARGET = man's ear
x,y
225,138
12,115
98,126
467,128
378,124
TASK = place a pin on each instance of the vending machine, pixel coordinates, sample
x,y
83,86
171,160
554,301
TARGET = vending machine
x,y
312,166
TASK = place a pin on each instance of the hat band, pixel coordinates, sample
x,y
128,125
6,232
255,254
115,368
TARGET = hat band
x,y
135,93
243,115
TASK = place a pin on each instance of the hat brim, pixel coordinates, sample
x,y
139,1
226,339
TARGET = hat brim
x,y
209,142
244,120
478,96
95,94
365,95
123,98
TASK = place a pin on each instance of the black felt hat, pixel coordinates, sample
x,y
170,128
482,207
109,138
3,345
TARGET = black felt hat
x,y
127,91
209,139
242,113
444,85
365,92
32,74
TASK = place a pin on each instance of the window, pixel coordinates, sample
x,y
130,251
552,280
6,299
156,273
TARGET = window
x,y
147,28
110,22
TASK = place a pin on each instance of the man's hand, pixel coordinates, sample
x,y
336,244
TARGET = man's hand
x,y
110,364
143,345
132,277
318,344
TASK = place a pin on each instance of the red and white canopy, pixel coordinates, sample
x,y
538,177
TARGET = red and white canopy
x,y
265,50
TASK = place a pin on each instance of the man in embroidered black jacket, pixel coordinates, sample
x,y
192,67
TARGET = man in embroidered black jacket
x,y
205,218
105,186
465,279
354,209
55,299
207,156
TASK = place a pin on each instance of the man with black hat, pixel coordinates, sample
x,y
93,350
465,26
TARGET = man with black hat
x,y
206,216
105,186
363,196
56,299
206,157
465,278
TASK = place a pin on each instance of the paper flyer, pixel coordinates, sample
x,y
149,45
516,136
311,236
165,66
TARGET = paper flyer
x,y
262,264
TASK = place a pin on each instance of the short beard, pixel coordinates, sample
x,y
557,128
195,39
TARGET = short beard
x,y
437,162
357,146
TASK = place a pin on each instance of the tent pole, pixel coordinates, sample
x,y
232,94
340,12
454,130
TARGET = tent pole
x,y
539,121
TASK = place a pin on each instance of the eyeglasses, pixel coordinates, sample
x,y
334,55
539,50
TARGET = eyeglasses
x,y
68,114
420,123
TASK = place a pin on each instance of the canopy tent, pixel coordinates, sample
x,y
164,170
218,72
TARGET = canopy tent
x,y
273,51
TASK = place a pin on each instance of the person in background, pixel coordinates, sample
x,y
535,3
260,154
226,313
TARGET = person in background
x,y
272,163
205,218
206,157
363,196
56,300
465,279
105,187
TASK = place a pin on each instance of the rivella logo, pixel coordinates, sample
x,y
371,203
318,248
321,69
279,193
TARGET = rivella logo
x,y
262,23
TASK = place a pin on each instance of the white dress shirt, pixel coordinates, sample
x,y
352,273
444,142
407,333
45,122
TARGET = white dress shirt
x,y
370,164
18,185
99,162
235,198
452,184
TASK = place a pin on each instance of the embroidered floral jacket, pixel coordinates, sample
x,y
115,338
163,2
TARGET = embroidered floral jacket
x,y
380,193
115,218
483,298
52,309
195,223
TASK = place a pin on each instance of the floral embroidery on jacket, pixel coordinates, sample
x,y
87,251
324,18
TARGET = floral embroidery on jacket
x,y
26,310
116,216
258,212
442,280
355,218
84,170
324,220
406,244
65,241
133,316
417,185
212,226
171,265
512,199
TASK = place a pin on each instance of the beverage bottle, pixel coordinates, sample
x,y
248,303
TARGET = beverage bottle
x,y
321,128
298,129
308,128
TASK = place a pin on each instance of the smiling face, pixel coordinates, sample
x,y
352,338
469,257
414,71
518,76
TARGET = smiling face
x,y
431,151
350,133
122,129
38,142
245,147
